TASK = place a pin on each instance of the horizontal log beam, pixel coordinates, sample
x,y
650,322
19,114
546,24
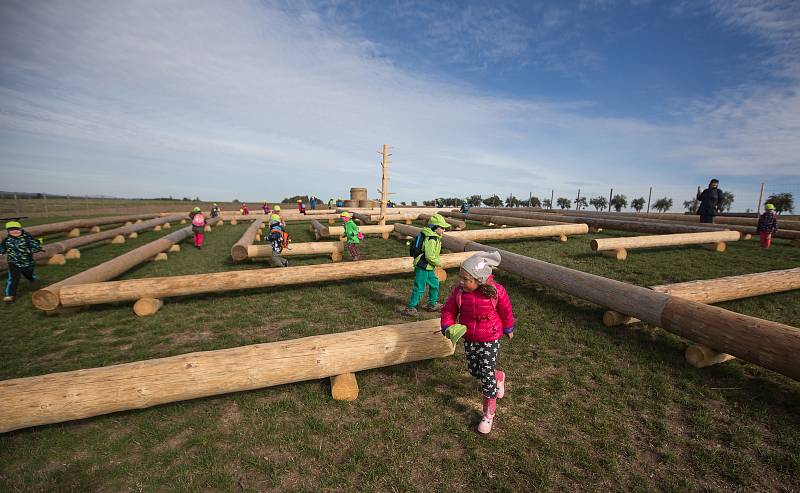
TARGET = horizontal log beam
x,y
634,242
80,394
295,249
521,232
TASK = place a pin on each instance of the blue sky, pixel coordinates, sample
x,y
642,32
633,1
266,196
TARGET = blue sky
x,y
268,99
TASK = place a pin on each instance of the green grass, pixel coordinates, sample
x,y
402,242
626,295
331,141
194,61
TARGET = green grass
x,y
588,408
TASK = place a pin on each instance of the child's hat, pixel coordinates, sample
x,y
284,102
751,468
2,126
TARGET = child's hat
x,y
13,225
345,214
196,209
480,265
276,208
769,207
438,220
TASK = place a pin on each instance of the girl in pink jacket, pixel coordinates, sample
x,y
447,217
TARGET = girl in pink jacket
x,y
482,305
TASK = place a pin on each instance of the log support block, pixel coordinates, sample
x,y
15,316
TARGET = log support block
x,y
174,248
258,237
407,221
331,220
612,319
336,255
95,229
207,228
74,233
128,223
146,307
166,226
133,235
139,221
747,237
385,236
715,247
118,240
593,229
183,221
160,257
57,259
73,254
157,228
561,238
234,222
344,387
701,356
620,254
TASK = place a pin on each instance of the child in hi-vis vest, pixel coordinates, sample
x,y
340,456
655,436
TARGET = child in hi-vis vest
x,y
352,234
18,247
198,226
426,260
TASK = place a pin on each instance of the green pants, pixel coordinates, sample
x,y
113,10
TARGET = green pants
x,y
424,277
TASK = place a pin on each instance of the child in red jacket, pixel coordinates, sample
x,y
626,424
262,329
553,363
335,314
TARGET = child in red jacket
x,y
482,305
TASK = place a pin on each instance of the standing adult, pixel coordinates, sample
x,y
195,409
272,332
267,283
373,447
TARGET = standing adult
x,y
710,201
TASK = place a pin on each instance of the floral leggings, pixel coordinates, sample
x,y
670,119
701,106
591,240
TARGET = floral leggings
x,y
482,362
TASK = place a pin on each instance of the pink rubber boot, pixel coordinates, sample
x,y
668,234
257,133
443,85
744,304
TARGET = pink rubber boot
x,y
500,376
489,407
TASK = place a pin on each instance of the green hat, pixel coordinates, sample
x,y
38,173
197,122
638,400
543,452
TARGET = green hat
x,y
13,225
438,220
769,207
196,209
345,214
455,332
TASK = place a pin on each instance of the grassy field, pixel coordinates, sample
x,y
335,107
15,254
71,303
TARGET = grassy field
x,y
588,408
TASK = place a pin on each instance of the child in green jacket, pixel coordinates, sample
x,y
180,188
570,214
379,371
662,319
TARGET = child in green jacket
x,y
424,265
352,234
18,247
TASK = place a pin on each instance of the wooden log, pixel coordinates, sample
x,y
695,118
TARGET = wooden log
x,y
80,394
319,229
72,254
163,287
94,229
295,249
344,387
729,288
48,298
74,233
376,229
619,254
520,232
692,218
146,307
239,249
701,356
50,228
772,345
456,223
503,220
636,242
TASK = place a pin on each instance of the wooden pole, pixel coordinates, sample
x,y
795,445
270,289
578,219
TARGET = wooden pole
x,y
635,242
772,345
521,232
332,248
50,228
760,198
239,249
163,287
375,229
455,223
649,196
384,184
48,298
80,394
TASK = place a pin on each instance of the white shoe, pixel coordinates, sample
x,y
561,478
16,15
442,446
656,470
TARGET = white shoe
x,y
485,426
8,299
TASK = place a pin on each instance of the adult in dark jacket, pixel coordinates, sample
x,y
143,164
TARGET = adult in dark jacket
x,y
710,201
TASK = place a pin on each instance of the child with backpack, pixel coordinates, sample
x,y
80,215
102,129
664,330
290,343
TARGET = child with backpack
x,y
767,225
352,235
198,226
482,307
425,249
214,210
18,247
279,239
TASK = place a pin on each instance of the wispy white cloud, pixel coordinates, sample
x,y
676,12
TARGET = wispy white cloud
x,y
250,100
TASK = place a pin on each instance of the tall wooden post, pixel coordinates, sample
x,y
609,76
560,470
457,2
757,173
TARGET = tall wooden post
x,y
384,184
552,194
760,198
578,200
649,196
610,194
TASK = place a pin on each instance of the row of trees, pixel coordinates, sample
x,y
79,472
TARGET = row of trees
x,y
781,201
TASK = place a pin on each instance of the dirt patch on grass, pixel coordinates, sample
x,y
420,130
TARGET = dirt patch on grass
x,y
173,442
230,417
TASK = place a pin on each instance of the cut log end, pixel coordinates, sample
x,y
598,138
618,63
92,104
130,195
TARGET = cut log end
x,y
239,253
146,307
118,240
174,248
133,235
46,299
719,246
747,237
701,356
620,254
73,254
57,259
74,233
344,387
613,319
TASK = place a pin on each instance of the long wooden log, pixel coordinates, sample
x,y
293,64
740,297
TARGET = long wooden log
x,y
286,217
80,394
773,345
48,298
239,249
521,232
456,223
598,222
509,221
53,249
50,228
373,229
634,242
163,287
711,291
333,248
691,218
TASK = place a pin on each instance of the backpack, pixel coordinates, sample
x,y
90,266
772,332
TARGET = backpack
x,y
276,233
199,220
416,247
